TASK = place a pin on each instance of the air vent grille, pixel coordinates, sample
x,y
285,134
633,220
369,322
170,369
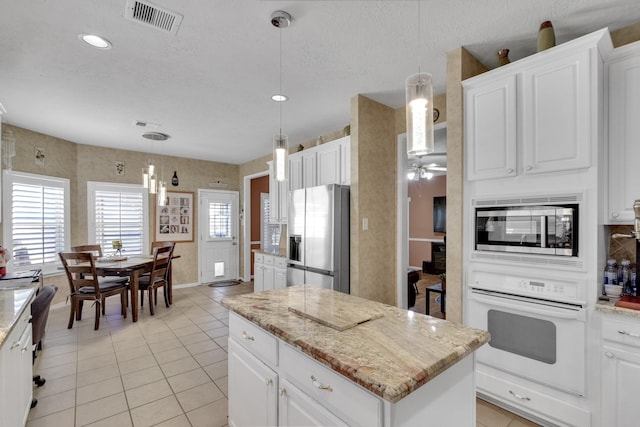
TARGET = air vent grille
x,y
531,200
153,16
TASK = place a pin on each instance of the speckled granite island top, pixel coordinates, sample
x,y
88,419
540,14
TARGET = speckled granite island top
x,y
609,307
391,355
12,305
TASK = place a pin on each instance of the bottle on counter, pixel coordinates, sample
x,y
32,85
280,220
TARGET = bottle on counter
x,y
611,272
625,271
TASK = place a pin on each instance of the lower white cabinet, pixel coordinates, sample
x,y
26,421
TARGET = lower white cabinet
x,y
620,371
16,388
269,272
295,408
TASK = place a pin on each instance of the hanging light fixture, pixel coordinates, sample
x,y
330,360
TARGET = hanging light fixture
x,y
280,20
419,109
8,148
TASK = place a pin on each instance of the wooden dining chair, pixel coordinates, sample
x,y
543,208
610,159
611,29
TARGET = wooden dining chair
x,y
85,285
159,277
154,245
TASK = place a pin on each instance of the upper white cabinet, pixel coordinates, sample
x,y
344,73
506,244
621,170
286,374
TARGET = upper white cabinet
x,y
623,70
536,115
490,128
328,161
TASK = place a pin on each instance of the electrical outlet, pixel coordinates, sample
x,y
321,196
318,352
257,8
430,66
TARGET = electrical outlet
x,y
365,224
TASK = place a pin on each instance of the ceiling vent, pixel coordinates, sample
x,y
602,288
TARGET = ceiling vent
x,y
151,15
143,124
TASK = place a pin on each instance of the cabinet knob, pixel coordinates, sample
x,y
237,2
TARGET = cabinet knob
x,y
319,385
509,170
269,381
609,354
247,336
615,214
517,396
283,391
529,167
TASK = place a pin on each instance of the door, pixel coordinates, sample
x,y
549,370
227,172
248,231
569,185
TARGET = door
x,y
319,228
620,379
252,390
218,235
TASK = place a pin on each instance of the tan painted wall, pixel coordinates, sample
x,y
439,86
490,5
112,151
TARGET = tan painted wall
x,y
373,189
626,35
81,163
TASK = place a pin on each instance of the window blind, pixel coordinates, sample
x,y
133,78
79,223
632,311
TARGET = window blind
x,y
119,215
36,225
220,220
270,232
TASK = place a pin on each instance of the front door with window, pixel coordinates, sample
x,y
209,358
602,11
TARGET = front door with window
x,y
218,235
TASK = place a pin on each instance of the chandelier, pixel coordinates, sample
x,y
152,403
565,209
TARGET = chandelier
x,y
417,171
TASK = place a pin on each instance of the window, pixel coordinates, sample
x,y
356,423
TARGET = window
x,y
270,232
118,212
219,220
37,223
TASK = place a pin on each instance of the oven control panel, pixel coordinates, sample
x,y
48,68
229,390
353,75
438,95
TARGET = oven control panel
x,y
559,290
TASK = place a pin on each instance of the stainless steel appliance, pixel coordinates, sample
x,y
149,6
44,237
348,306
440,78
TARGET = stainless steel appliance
x,y
318,245
548,229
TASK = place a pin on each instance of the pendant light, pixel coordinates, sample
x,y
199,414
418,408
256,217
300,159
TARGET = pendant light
x,y
419,109
280,20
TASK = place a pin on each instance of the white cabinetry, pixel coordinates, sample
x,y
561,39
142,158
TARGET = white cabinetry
x,y
328,156
328,163
269,272
536,115
16,388
623,69
620,371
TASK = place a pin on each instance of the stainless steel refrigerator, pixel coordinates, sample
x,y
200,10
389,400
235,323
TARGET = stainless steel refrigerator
x,y
318,246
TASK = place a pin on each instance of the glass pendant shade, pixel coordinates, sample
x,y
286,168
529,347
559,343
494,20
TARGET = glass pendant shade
x,y
162,194
152,169
280,151
145,177
419,91
152,184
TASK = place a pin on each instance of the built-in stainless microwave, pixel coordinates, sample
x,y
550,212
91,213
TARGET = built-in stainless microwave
x,y
541,229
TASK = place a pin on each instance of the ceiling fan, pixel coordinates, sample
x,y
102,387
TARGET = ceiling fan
x,y
418,171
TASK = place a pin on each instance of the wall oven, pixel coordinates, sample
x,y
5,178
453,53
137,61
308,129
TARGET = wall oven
x,y
538,328
548,229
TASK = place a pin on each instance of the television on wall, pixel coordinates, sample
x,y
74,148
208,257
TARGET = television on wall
x,y
440,214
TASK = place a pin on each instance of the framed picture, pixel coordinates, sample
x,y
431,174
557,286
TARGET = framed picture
x,y
174,221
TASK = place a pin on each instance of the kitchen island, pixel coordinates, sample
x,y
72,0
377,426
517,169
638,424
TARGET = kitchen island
x,y
312,356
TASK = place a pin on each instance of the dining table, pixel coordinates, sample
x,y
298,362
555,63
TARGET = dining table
x,y
132,266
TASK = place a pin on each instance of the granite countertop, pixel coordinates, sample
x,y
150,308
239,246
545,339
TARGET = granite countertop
x,y
391,355
13,302
610,308
281,254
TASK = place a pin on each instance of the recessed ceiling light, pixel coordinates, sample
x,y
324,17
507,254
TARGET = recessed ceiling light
x,y
95,41
279,97
156,136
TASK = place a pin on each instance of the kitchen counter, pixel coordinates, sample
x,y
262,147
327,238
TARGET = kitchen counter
x,y
13,302
281,254
610,308
391,355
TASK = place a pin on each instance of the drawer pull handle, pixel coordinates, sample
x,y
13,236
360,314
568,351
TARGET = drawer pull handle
x,y
509,170
15,344
517,396
609,354
319,385
247,336
629,334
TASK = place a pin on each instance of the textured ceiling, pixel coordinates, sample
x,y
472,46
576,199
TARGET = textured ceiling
x,y
209,85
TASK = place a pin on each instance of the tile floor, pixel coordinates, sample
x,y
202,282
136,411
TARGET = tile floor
x,y
168,370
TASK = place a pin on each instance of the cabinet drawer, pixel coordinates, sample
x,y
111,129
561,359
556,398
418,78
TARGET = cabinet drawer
x,y
280,262
527,398
254,339
346,399
268,260
621,330
258,258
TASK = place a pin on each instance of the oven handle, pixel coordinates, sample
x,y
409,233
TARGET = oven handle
x,y
558,313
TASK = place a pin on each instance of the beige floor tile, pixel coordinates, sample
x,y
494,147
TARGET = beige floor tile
x,y
222,341
180,421
54,403
58,371
171,355
55,386
211,415
142,377
148,393
100,409
54,361
98,375
188,380
126,354
99,390
179,366
156,412
122,419
51,350
209,357
217,370
202,346
186,329
157,335
165,344
91,350
223,384
201,395
134,365
96,362
218,332
64,418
